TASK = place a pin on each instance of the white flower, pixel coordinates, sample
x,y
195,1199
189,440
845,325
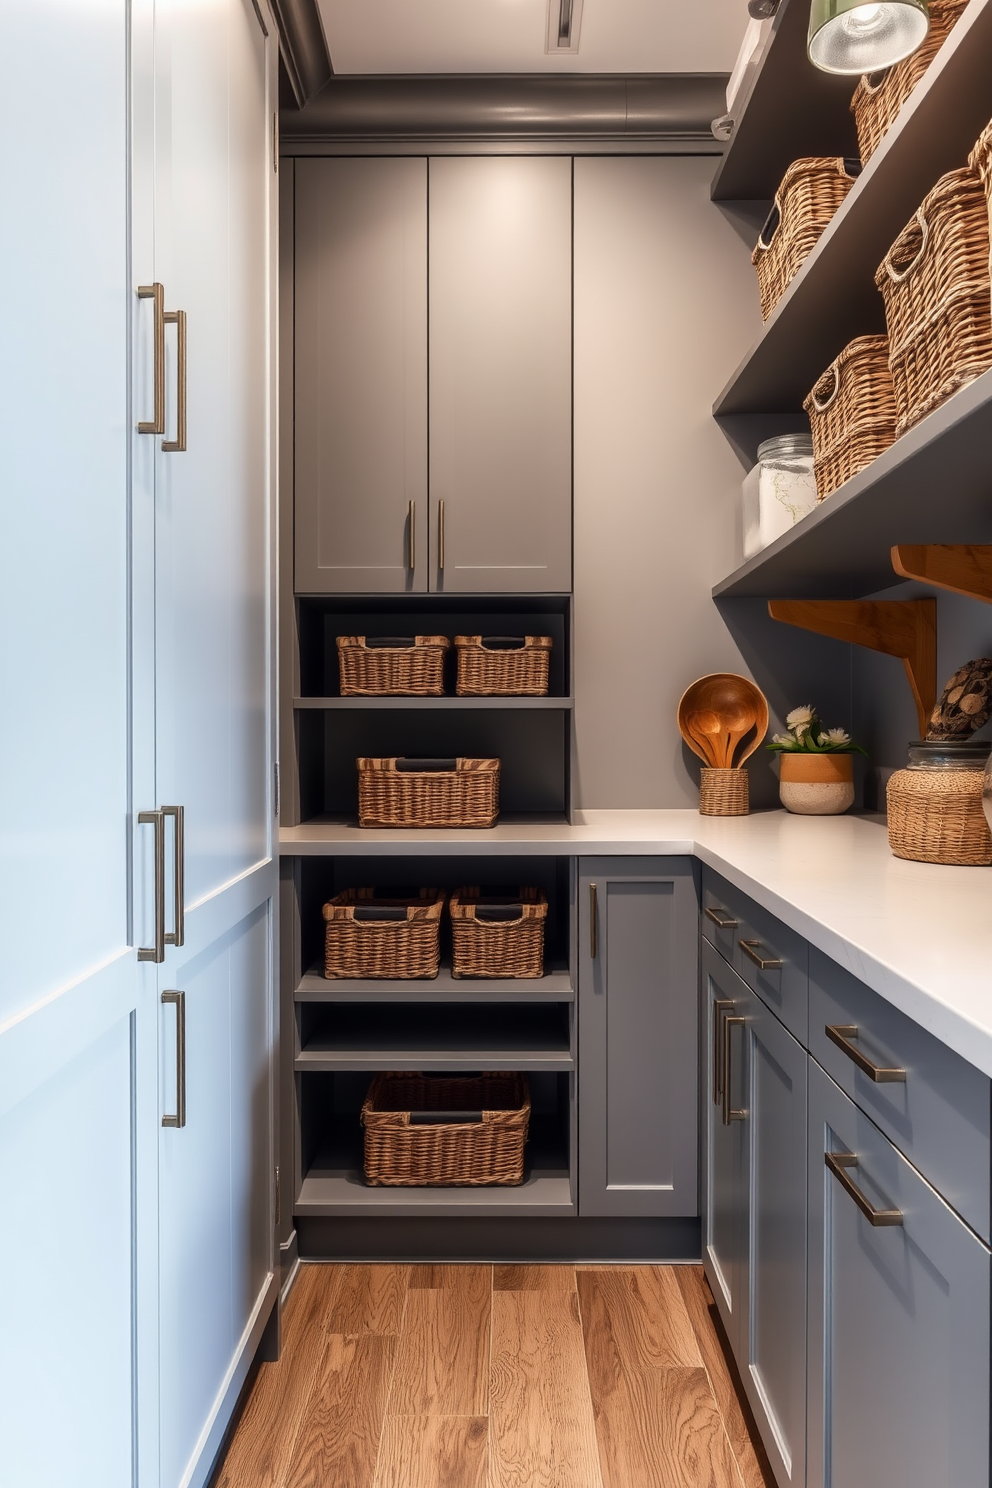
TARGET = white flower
x,y
783,739
800,718
837,736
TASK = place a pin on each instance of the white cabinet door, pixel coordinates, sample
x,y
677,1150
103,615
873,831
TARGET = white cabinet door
x,y
76,1033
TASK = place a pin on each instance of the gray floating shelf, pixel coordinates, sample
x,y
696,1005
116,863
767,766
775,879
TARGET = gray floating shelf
x,y
554,986
329,1191
933,486
317,1060
434,704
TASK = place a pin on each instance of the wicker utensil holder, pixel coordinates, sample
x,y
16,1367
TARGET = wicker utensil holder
x,y
414,667
937,817
880,95
723,792
497,939
935,284
485,1147
417,793
503,666
809,194
852,412
370,936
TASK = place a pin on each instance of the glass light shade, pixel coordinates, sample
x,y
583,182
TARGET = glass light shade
x,y
848,37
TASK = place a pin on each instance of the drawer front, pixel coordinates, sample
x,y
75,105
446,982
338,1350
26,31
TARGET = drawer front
x,y
722,919
932,1104
771,958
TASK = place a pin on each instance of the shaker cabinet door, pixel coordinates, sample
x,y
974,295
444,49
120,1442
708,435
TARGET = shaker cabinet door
x,y
898,1315
361,376
637,1045
501,374
724,1196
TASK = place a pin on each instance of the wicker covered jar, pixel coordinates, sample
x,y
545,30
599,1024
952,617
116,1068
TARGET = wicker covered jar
x,y
935,804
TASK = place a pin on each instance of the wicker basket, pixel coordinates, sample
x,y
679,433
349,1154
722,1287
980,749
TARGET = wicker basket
x,y
880,95
810,192
485,1146
397,666
723,792
980,160
936,816
503,666
428,792
495,934
935,283
852,412
370,934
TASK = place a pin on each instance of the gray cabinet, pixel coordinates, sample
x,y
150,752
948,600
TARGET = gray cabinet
x,y
724,1210
361,376
501,374
637,1037
898,1316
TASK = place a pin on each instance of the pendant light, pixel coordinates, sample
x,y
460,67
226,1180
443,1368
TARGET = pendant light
x,y
849,37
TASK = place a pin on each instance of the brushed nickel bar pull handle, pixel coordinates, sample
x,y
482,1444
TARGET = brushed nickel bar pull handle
x,y
722,924
178,445
729,1113
156,293
593,917
177,936
721,1005
764,963
179,999
841,1034
411,538
157,820
440,535
838,1162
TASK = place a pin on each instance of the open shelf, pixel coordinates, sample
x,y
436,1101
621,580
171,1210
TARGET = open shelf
x,y
933,486
436,704
325,833
833,298
433,1037
554,986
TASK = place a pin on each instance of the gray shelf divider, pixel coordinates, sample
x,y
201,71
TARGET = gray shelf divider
x,y
554,986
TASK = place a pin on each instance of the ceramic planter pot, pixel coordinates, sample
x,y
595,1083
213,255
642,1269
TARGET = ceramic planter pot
x,y
816,784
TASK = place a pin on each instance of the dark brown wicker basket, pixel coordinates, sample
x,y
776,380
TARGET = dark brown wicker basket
x,y
810,192
369,934
428,793
852,412
497,935
482,1144
935,284
503,666
880,95
397,666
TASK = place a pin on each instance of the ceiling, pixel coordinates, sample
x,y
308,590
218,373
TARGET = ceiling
x,y
471,36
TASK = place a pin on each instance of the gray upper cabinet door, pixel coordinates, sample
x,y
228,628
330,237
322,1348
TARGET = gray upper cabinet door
x,y
637,1037
724,996
361,376
501,374
898,1316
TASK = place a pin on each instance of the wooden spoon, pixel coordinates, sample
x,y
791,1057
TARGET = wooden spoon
x,y
705,726
739,722
739,707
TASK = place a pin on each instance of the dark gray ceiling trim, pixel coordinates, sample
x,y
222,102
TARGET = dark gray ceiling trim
x,y
304,50
665,107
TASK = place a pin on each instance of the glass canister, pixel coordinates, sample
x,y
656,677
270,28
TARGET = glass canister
x,y
935,804
779,491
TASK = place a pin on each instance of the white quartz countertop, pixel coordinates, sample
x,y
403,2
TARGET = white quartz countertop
x,y
920,934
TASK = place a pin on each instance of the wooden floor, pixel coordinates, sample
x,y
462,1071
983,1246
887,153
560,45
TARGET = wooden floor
x,y
495,1377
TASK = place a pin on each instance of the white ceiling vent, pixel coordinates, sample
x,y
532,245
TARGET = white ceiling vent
x,y
564,23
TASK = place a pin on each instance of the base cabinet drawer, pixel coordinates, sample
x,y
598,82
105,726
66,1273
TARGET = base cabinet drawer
x,y
771,958
898,1315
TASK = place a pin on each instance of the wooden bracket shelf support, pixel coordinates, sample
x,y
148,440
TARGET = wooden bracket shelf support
x,y
906,628
960,567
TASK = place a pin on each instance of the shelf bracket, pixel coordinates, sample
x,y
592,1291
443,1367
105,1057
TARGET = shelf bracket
x,y
906,628
963,568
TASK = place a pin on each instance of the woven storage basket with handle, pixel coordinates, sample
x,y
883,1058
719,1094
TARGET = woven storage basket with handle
x,y
428,792
397,666
880,95
409,1142
938,818
980,160
495,934
935,284
503,666
375,934
810,192
852,412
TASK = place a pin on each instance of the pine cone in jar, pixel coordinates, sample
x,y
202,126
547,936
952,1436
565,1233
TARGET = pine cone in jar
x,y
966,702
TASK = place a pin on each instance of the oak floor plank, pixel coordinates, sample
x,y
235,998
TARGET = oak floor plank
x,y
541,1428
534,1279
442,1365
747,1449
369,1299
338,1442
431,1452
660,1428
433,1278
645,1311
262,1446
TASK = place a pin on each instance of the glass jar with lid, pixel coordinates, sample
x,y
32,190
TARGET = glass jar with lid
x,y
935,805
779,491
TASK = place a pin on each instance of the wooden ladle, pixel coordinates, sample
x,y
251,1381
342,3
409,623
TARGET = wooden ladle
x,y
738,706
